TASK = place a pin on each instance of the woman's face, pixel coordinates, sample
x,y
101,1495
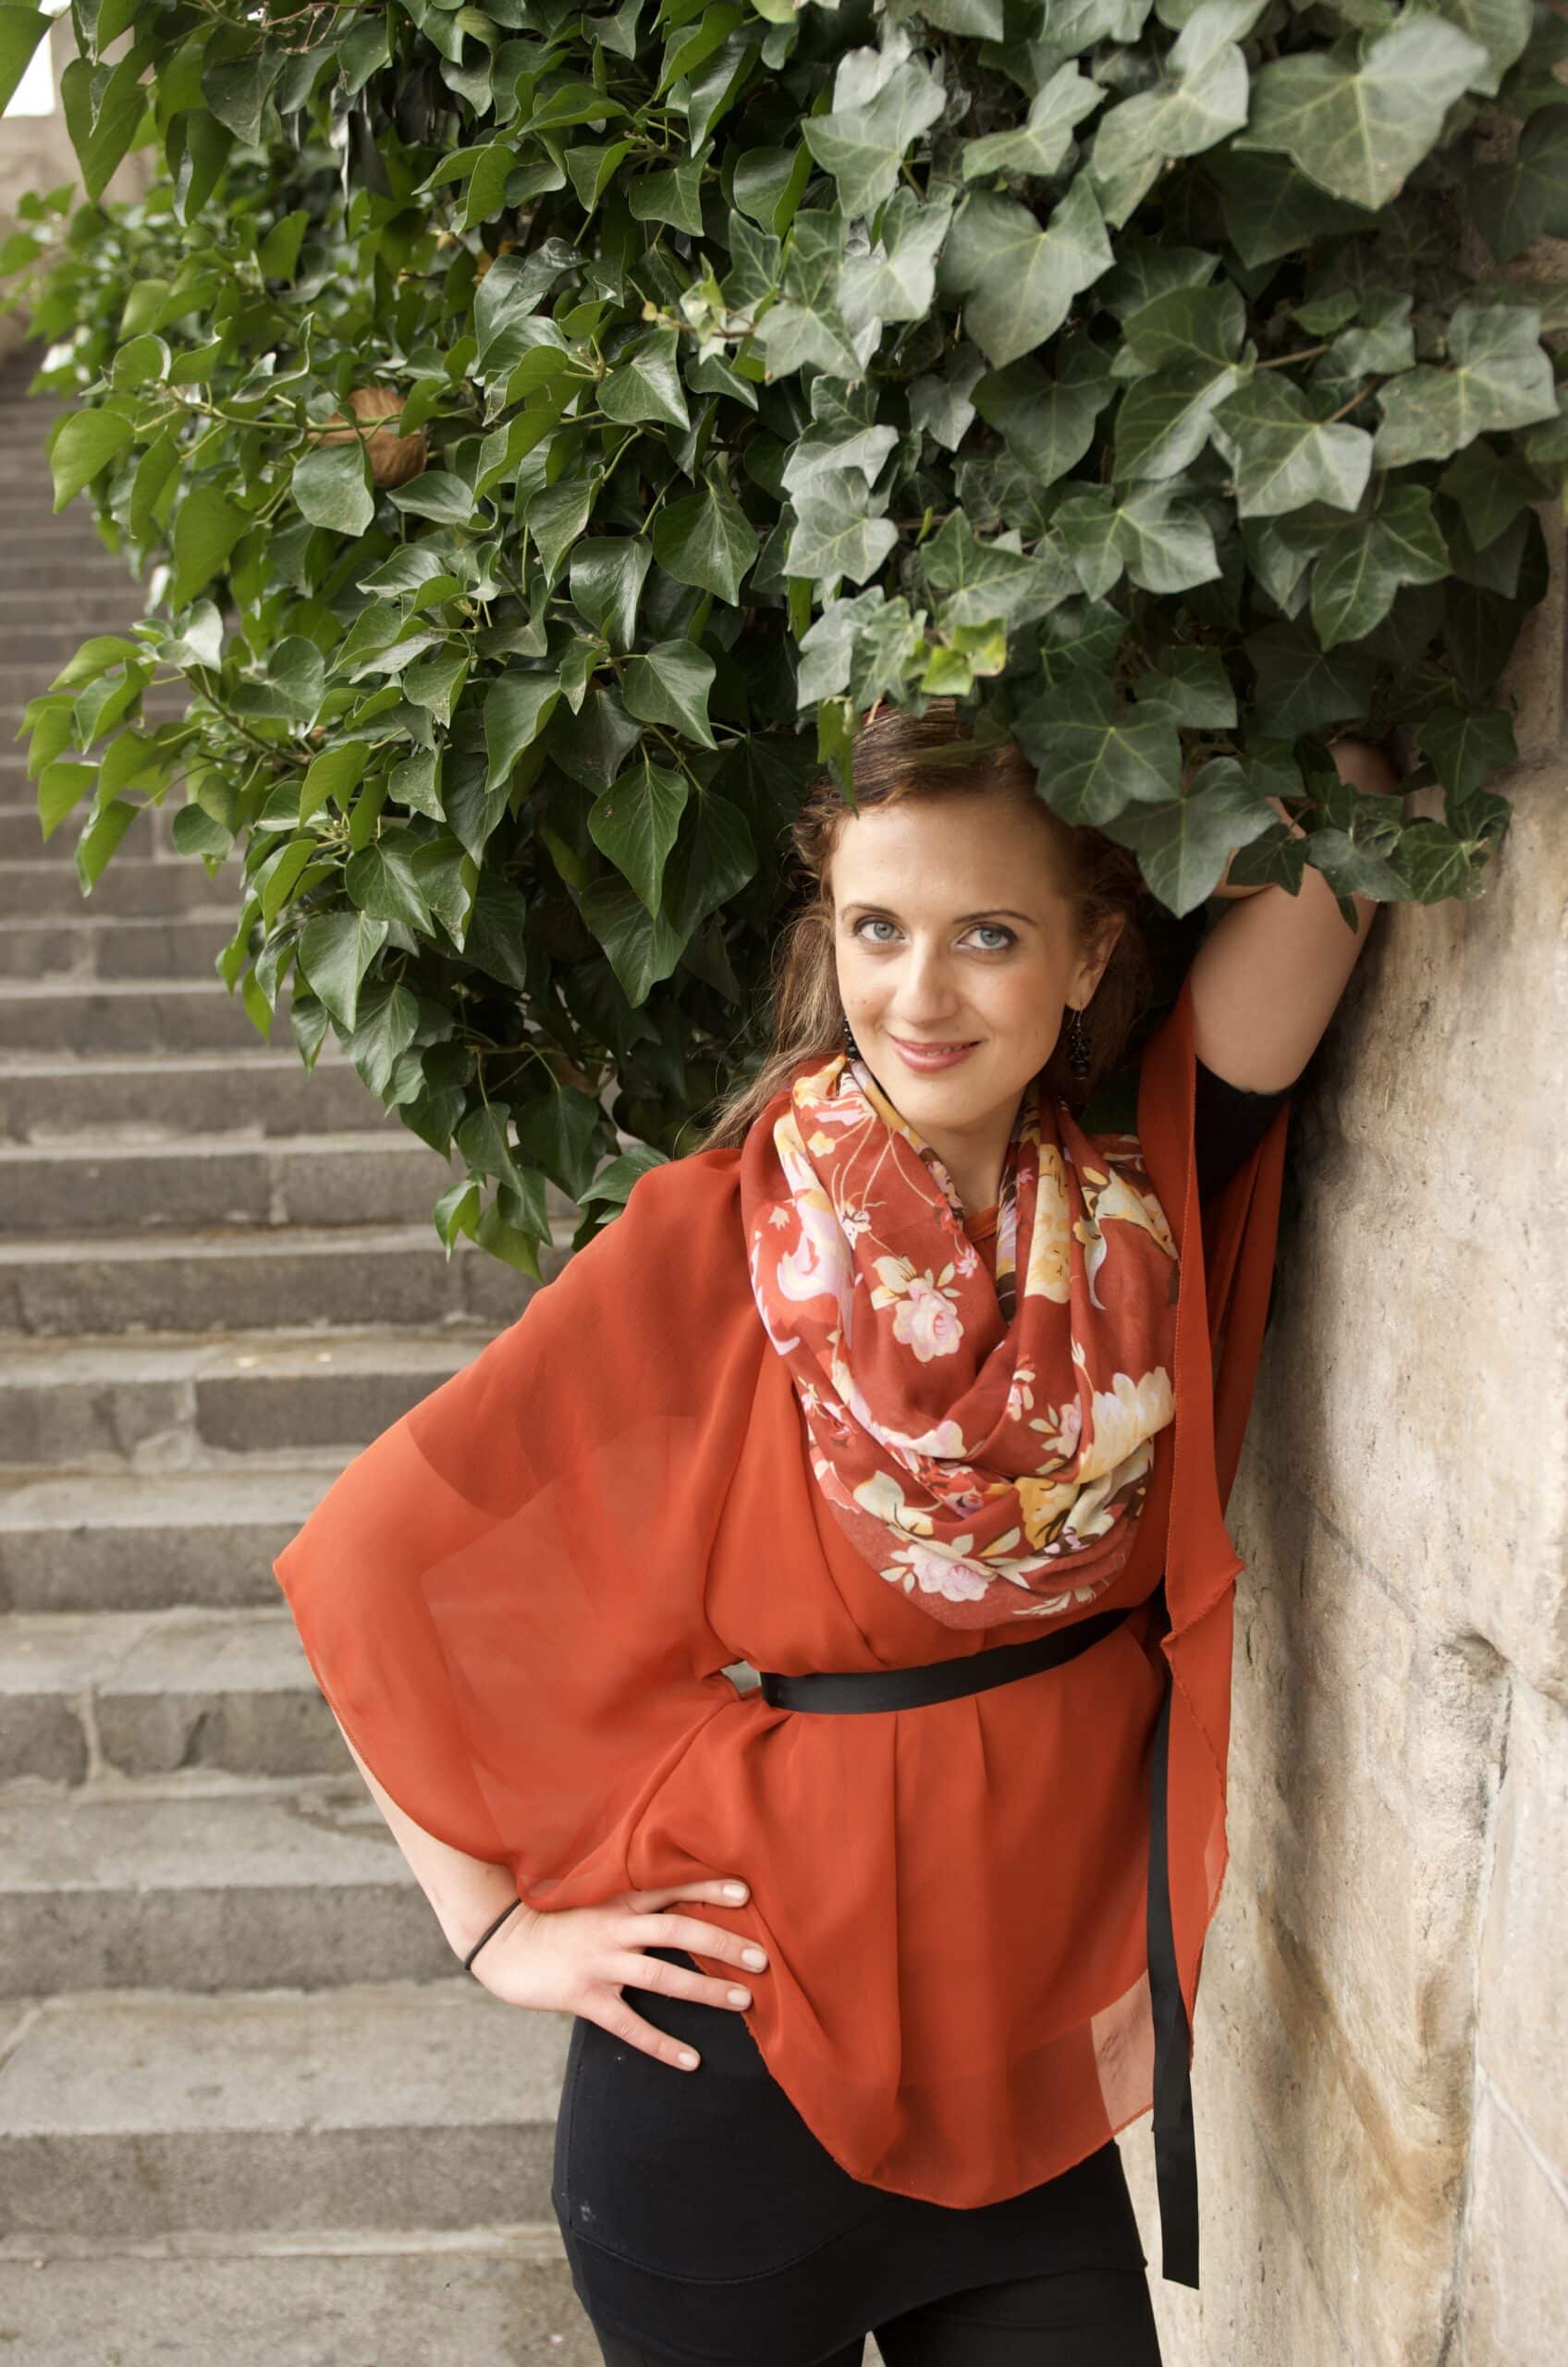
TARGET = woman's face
x,y
949,928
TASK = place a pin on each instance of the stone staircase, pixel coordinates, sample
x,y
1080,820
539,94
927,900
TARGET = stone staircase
x,y
250,2110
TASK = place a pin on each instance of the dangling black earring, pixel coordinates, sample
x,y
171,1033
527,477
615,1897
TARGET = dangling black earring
x,y
1077,1043
851,1047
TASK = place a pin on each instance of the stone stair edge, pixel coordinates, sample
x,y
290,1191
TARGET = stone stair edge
x,y
359,1347
70,1249
200,1061
24,990
364,2017
201,1821
525,2240
78,1501
363,1142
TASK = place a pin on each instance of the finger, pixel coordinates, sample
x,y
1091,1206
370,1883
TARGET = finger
x,y
702,1939
674,1980
618,2018
728,1888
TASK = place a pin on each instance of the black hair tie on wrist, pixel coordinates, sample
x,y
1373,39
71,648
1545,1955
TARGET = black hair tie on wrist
x,y
489,1933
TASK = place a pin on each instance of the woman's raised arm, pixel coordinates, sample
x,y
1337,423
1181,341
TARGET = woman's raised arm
x,y
1267,978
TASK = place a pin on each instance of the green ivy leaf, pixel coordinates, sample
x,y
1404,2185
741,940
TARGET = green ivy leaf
x,y
839,532
1283,457
672,196
1201,96
237,91
1359,130
882,101
206,528
707,539
1018,279
806,324
1095,763
1182,846
1362,566
646,385
84,441
98,841
1301,687
336,950
642,947
332,774
439,495
385,1024
1163,544
634,823
1514,204
21,29
606,579
1048,422
1041,143
1467,750
61,787
669,685
1499,377
331,487
517,708
380,880
102,115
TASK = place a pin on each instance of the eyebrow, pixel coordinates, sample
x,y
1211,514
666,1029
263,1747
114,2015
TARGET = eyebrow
x,y
992,911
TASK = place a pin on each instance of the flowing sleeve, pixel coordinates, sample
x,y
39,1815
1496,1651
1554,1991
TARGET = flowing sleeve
x,y
502,1597
1227,1249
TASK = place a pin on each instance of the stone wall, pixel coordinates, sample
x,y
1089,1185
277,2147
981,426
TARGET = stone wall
x,y
1382,2025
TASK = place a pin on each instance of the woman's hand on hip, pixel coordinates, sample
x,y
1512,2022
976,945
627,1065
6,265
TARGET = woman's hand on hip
x,y
576,1959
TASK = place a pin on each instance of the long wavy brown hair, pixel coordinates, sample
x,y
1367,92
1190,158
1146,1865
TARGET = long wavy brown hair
x,y
936,756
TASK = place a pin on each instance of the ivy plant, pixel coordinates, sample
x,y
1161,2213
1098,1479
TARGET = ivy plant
x,y
543,435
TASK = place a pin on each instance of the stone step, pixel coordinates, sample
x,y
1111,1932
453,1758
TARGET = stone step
x,y
183,1886
167,1401
397,2103
341,1274
82,570
99,946
126,1541
463,2299
50,553
124,1099
93,1693
210,1180
130,1015
132,884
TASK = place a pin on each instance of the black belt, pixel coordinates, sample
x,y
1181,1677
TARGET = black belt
x,y
850,1690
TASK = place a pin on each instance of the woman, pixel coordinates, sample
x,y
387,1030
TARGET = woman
x,y
925,1401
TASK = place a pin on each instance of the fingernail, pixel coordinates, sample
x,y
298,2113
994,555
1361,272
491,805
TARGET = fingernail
x,y
739,1996
734,1890
688,2060
755,1957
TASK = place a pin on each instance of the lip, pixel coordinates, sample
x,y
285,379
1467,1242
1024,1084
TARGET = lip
x,y
928,1057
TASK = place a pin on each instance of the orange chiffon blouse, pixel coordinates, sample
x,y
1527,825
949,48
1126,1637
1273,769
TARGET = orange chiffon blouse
x,y
521,1599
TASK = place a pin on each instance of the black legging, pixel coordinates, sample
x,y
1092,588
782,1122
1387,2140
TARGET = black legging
x,y
1086,2317
704,2224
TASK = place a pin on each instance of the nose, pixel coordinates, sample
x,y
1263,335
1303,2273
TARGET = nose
x,y
932,1003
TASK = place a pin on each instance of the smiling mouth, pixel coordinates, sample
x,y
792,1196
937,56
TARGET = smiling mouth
x,y
913,1044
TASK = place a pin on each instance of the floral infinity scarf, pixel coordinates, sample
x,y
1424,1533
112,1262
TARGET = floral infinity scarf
x,y
969,1442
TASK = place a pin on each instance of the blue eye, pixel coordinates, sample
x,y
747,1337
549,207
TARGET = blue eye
x,y
990,928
